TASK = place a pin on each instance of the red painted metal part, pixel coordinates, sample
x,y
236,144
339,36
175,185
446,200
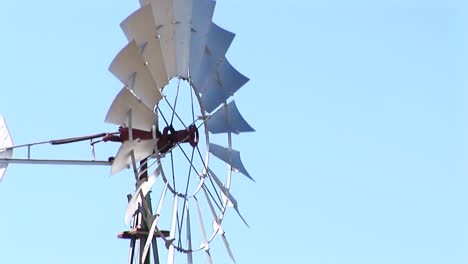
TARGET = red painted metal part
x,y
166,140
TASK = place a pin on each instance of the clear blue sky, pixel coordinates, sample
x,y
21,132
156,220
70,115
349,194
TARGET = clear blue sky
x,y
360,154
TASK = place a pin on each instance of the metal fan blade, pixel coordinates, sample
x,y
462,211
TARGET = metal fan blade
x,y
225,155
220,86
140,27
183,26
217,44
219,40
171,255
140,148
140,193
202,13
154,224
213,94
217,225
228,119
228,195
130,68
125,107
5,146
205,243
189,235
231,79
164,20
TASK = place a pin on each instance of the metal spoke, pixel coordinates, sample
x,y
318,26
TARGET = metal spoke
x,y
185,195
207,171
173,171
211,195
175,113
175,101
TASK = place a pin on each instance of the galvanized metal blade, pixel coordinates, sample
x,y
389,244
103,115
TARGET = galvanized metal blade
x,y
201,21
163,14
142,190
228,119
225,155
217,226
128,106
141,27
229,78
219,40
183,26
131,69
217,43
141,149
227,194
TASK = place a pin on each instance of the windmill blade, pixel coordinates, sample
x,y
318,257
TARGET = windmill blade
x,y
228,195
170,242
225,155
219,40
125,107
217,44
205,244
230,79
140,27
228,120
222,85
163,14
202,14
130,68
140,148
189,235
213,94
141,192
217,226
5,146
183,26
154,223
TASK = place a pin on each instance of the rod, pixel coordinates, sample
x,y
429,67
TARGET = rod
x,y
56,162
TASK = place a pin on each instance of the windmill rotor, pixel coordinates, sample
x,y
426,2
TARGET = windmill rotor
x,y
179,86
176,117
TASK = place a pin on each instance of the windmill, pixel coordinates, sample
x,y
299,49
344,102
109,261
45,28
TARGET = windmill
x,y
176,119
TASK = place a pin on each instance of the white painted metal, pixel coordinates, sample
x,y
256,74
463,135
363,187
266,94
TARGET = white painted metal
x,y
140,148
164,18
183,26
130,68
140,27
142,117
5,146
223,154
